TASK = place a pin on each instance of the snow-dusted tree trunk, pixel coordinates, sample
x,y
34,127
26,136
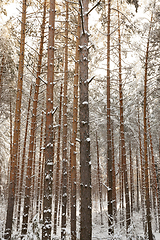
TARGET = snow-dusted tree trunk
x,y
131,179
85,161
13,171
147,196
48,171
122,138
57,178
64,145
21,174
99,179
39,166
73,139
1,73
114,193
154,176
138,181
109,146
142,177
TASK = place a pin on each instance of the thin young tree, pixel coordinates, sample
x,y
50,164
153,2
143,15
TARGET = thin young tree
x,y
57,179
85,161
21,174
12,183
122,138
73,139
131,178
39,166
64,144
137,185
109,146
99,179
114,194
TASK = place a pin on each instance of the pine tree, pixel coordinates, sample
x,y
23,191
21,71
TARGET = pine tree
x,y
85,161
13,171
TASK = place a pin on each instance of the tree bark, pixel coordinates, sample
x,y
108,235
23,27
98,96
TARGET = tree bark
x,y
64,145
99,180
32,132
23,162
57,180
85,162
73,139
109,147
48,171
147,196
122,138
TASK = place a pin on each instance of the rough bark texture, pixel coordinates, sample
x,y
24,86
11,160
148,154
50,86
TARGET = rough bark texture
x,y
48,171
12,183
85,164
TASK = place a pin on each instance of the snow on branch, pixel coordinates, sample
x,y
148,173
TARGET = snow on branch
x,y
90,79
93,7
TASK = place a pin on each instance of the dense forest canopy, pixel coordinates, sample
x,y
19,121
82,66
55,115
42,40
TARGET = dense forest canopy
x,y
79,117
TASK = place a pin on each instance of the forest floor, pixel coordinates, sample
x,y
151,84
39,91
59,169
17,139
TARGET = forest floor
x,y
99,232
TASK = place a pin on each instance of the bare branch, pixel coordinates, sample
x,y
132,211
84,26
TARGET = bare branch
x,y
93,7
81,5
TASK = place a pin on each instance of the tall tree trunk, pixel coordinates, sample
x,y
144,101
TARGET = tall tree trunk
x,y
1,73
64,146
124,166
48,171
39,167
137,172
154,176
147,197
131,179
12,183
57,182
23,163
32,131
109,147
114,195
85,162
142,178
73,139
99,180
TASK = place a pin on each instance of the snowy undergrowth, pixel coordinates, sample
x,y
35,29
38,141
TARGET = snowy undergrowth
x,y
99,232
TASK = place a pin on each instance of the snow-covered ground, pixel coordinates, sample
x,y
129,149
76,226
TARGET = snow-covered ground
x,y
99,231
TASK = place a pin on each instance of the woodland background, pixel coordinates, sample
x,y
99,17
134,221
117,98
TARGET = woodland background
x,y
79,117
